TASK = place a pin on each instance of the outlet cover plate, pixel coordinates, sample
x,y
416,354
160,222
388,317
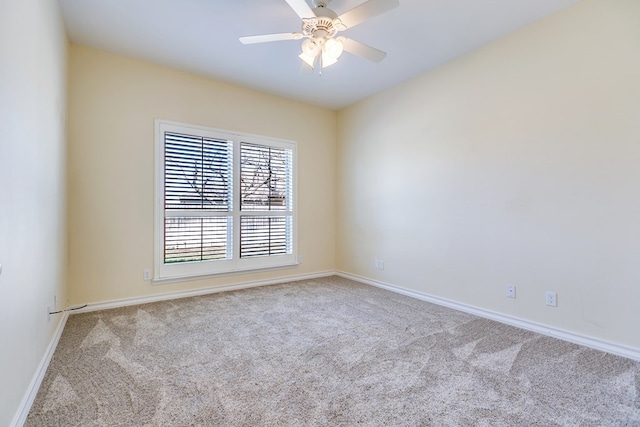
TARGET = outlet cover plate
x,y
511,291
551,299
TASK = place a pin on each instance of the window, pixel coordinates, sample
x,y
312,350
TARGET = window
x,y
224,202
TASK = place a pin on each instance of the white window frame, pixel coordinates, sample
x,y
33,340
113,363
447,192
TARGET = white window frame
x,y
166,273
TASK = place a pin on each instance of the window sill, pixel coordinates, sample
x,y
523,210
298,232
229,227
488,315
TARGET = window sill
x,y
177,279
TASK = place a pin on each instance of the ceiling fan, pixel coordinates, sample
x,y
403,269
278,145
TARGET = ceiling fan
x,y
320,47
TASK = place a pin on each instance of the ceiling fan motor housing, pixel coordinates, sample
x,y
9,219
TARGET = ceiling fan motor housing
x,y
326,23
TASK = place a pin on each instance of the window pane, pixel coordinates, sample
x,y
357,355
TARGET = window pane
x,y
264,235
197,173
196,239
265,181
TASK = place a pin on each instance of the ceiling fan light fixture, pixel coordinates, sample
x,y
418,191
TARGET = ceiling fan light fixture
x,y
331,51
308,59
310,51
327,60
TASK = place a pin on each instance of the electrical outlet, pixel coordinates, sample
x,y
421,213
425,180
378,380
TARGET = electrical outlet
x,y
55,303
300,259
511,291
551,299
378,264
146,274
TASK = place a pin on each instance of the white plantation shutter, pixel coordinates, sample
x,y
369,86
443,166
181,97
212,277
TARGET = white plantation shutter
x,y
197,189
264,235
197,172
196,239
266,178
224,202
266,190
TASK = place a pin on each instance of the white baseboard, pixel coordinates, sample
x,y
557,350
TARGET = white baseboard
x,y
104,305
617,349
32,391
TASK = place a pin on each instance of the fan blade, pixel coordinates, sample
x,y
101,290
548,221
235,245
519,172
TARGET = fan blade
x,y
270,38
301,8
362,50
366,10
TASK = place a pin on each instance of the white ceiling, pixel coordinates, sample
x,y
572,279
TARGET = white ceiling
x,y
201,36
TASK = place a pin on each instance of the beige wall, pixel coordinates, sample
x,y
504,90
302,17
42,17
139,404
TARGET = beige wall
x,y
113,102
515,164
33,58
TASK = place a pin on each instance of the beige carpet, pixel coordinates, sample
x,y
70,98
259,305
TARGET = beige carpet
x,y
324,352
